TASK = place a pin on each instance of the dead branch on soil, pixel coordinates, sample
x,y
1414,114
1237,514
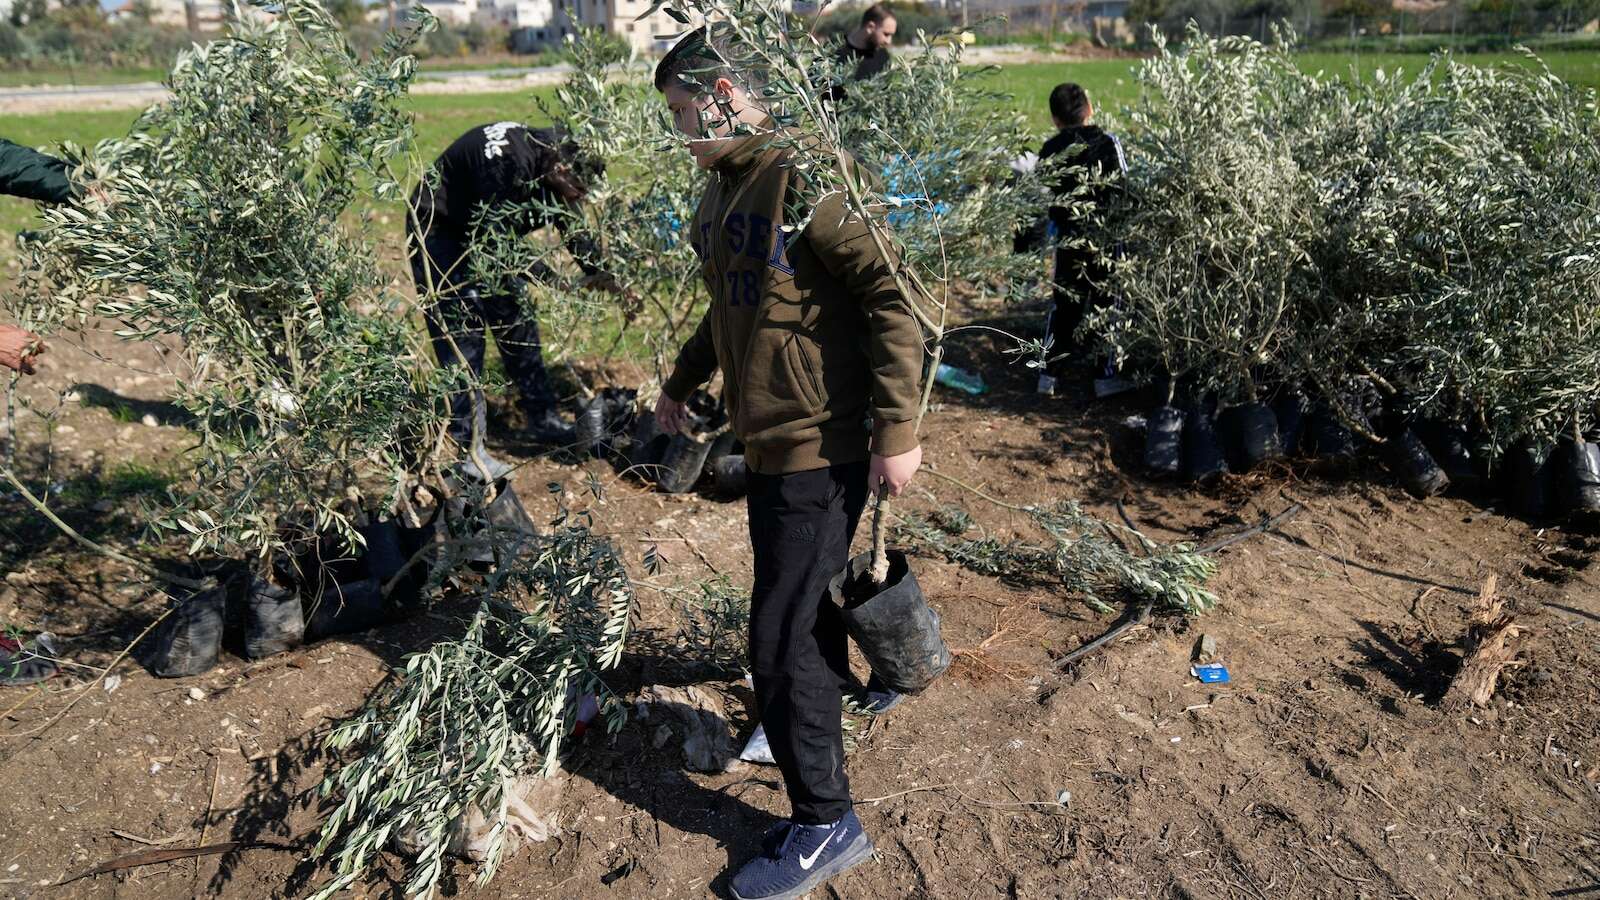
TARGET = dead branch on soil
x,y
1492,643
153,857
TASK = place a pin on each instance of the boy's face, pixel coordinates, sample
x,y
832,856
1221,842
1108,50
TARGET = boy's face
x,y
706,119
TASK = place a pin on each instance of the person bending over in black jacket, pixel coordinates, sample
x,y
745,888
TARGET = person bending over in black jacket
x,y
504,177
32,175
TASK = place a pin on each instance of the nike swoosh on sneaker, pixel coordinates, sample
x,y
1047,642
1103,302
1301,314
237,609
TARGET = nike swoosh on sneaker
x,y
806,862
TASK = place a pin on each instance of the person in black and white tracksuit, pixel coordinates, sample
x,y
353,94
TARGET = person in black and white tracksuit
x,y
504,177
1080,272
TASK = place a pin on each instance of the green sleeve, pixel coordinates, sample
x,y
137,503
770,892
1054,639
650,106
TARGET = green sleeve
x,y
696,361
31,174
845,245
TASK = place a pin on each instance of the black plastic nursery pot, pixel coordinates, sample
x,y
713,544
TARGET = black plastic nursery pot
x,y
1249,433
346,608
1411,462
604,420
682,464
725,444
589,426
730,477
1289,408
190,638
499,530
274,622
1326,436
507,523
1529,480
1580,475
1163,441
648,445
893,625
1450,447
1203,459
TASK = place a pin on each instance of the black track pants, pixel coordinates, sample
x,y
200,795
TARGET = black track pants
x,y
800,529
457,322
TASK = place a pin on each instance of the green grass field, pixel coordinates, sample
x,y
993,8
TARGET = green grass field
x,y
440,118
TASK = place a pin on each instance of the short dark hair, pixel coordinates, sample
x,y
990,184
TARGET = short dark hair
x,y
692,58
876,14
1069,103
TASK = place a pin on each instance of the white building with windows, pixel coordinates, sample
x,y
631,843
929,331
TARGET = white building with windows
x,y
209,14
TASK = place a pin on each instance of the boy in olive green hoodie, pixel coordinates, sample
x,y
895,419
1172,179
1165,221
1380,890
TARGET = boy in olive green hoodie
x,y
814,339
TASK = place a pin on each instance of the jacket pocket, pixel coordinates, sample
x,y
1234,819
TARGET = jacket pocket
x,y
805,366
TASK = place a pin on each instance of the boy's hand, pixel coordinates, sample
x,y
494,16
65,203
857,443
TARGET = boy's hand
x,y
896,470
670,414
18,348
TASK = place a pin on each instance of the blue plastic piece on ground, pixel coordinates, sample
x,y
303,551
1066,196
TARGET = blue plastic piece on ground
x,y
1211,673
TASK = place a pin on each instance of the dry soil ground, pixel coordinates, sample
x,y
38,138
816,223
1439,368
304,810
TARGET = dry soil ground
x,y
1324,769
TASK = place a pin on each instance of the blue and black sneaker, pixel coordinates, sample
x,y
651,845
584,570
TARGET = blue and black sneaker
x,y
797,858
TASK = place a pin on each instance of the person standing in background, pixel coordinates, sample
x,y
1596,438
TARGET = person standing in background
x,y
1094,164
868,45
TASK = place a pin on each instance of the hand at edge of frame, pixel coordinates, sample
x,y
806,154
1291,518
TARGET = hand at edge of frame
x,y
18,348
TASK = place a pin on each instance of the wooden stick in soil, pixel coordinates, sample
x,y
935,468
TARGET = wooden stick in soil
x,y
211,804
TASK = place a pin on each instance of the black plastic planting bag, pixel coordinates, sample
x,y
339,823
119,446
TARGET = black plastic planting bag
x,y
649,443
1202,454
725,444
273,621
730,476
1411,462
682,463
345,608
1289,408
1326,435
896,629
1581,475
383,557
1449,445
1249,434
190,638
1163,441
414,541
1530,480
590,426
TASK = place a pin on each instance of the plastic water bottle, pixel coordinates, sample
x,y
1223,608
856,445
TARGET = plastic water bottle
x,y
960,379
